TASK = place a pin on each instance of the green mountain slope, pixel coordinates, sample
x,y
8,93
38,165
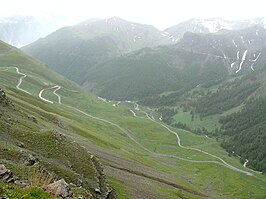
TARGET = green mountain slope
x,y
73,50
142,157
150,72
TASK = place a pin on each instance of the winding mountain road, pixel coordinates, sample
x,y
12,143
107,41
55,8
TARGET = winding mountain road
x,y
40,96
20,79
221,162
57,88
54,92
224,163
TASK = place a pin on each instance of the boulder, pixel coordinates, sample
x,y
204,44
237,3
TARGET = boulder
x,y
4,101
27,159
97,190
3,170
6,175
21,183
2,94
59,189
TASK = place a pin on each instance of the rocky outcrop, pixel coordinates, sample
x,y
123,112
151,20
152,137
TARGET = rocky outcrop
x,y
4,101
27,159
8,177
59,189
103,190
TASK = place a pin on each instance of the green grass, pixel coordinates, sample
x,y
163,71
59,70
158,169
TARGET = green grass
x,y
209,122
13,191
115,148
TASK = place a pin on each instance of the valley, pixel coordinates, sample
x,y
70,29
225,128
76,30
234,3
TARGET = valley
x,y
165,117
192,156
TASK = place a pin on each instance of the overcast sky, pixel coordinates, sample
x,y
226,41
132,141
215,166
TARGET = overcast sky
x,y
160,13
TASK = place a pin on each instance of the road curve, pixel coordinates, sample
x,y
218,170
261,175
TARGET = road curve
x,y
54,92
224,163
56,87
46,100
20,79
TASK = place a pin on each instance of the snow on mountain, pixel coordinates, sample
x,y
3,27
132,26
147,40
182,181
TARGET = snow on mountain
x,y
128,35
212,25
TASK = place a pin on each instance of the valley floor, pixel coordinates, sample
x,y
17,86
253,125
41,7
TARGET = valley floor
x,y
140,154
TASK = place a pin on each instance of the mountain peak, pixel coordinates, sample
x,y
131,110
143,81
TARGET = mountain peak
x,y
116,18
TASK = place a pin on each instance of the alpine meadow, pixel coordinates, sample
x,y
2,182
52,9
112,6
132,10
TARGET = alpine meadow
x,y
110,108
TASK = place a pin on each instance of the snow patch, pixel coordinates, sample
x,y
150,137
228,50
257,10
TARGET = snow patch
x,y
215,25
242,39
133,26
242,61
100,98
234,43
254,61
237,55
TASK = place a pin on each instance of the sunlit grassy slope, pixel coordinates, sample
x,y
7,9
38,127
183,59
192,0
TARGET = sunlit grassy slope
x,y
131,170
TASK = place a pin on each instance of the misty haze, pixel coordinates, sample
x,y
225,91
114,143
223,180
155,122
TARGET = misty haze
x,y
132,99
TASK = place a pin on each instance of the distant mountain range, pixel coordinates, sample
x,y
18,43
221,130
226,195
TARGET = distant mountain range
x,y
212,25
100,54
22,30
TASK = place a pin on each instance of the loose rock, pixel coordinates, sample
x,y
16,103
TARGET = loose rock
x,y
3,169
59,189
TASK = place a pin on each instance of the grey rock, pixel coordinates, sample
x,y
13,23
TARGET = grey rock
x,y
4,197
3,169
97,190
27,158
33,118
21,183
59,189
21,144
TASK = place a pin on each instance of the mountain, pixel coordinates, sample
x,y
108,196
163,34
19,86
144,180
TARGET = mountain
x,y
73,50
36,144
70,131
197,59
203,76
211,25
240,49
23,30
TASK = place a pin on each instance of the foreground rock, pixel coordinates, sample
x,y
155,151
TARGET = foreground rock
x,y
8,177
4,100
59,189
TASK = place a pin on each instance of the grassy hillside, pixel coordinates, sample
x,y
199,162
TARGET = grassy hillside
x,y
141,157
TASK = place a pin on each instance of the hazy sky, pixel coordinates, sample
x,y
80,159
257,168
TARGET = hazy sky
x,y
160,13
